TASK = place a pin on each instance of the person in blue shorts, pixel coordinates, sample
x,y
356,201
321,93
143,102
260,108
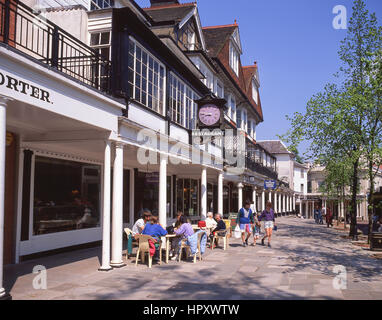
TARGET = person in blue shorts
x,y
245,220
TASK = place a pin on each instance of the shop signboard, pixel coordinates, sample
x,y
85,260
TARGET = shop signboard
x,y
270,184
152,177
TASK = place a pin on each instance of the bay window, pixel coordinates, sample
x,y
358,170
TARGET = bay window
x,y
219,90
182,103
239,119
146,78
233,108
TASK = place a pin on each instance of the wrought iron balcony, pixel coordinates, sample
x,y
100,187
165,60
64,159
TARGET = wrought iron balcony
x,y
251,164
28,32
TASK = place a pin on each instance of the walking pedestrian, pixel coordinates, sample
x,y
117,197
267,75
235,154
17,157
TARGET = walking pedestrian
x,y
256,229
269,223
329,217
317,214
245,220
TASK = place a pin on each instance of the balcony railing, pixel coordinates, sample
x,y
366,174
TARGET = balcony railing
x,y
27,31
260,168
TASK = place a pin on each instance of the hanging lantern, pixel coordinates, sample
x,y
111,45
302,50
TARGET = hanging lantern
x,y
9,139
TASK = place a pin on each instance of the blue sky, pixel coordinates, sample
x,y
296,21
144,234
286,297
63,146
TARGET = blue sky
x,y
293,42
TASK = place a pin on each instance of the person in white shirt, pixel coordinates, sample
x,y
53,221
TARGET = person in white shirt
x,y
140,223
210,223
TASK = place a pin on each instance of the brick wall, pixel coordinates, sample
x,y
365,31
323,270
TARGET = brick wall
x,y
12,23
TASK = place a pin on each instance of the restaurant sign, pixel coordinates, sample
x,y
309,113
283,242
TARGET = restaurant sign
x,y
270,184
152,177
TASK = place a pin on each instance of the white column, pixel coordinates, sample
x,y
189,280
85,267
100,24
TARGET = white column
x,y
163,191
131,196
270,196
275,209
280,204
287,203
254,209
203,196
220,193
240,194
294,203
117,220
106,209
284,202
3,135
263,201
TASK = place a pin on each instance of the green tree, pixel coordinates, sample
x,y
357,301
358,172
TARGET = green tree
x,y
372,130
335,118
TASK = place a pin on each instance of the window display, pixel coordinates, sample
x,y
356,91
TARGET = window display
x,y
66,196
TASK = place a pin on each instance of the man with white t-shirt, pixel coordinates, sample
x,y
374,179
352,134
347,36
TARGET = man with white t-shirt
x,y
140,223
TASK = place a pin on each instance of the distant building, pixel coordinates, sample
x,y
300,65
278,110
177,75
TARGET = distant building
x,y
338,205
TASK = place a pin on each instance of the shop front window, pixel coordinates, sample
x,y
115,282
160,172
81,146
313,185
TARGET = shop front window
x,y
66,196
187,196
210,198
226,199
147,192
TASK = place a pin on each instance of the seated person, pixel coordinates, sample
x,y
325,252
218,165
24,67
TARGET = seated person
x,y
220,226
177,222
154,229
140,223
183,232
210,221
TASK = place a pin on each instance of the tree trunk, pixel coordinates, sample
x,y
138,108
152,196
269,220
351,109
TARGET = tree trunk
x,y
371,206
353,207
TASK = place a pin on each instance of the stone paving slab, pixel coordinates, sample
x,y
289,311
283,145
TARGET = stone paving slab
x,y
298,266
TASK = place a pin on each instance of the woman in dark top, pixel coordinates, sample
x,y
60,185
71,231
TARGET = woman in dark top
x,y
219,227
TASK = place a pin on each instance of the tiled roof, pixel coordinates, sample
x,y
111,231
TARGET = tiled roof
x,y
274,146
216,37
170,12
249,72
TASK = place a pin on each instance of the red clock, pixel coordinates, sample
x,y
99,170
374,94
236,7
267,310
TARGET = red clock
x,y
209,115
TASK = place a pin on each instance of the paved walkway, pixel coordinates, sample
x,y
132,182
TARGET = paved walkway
x,y
299,266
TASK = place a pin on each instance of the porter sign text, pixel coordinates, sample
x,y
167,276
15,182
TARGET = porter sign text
x,y
20,86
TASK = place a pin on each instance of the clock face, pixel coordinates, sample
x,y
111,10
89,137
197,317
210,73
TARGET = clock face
x,y
209,114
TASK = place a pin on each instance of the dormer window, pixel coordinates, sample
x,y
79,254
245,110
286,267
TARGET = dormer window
x,y
234,58
101,4
255,93
187,36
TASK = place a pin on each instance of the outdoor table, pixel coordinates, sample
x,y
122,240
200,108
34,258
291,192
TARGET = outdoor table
x,y
168,237
195,227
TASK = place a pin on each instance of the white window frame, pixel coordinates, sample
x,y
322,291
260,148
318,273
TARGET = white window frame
x,y
233,108
219,84
161,65
193,107
255,93
234,58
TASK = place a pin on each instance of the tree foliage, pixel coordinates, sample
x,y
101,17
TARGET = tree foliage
x,y
343,121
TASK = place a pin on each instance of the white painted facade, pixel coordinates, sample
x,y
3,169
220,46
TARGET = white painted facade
x,y
300,179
